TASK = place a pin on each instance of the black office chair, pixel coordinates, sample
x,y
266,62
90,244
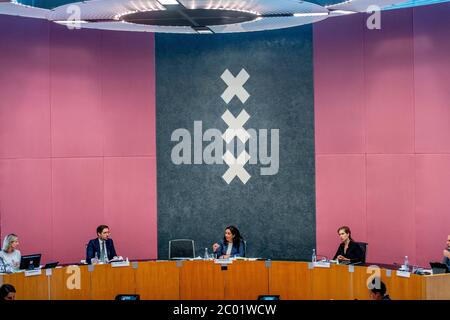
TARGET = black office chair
x,y
181,249
363,246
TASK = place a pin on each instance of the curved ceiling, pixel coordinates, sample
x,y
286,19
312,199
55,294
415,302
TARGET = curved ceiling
x,y
50,4
193,16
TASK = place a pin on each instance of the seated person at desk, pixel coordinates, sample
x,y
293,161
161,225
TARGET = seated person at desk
x,y
102,247
379,293
7,292
10,255
348,249
232,244
446,260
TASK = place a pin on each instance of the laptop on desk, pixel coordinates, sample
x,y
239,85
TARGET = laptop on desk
x,y
439,268
51,265
30,262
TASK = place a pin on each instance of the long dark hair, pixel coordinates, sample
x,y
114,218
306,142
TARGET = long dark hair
x,y
237,236
346,230
5,290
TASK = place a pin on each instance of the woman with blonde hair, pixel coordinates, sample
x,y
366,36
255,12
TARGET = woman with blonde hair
x,y
10,255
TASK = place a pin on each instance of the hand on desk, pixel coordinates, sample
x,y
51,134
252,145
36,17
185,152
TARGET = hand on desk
x,y
116,259
342,258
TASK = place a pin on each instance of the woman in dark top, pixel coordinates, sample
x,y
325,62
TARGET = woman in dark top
x,y
232,244
348,250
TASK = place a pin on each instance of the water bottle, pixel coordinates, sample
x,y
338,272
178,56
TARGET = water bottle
x,y
206,257
314,257
406,264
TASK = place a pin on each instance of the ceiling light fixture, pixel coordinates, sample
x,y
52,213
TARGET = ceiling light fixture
x,y
343,12
202,30
191,16
168,2
318,14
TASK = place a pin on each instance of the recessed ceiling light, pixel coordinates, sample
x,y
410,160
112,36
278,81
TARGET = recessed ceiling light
x,y
342,11
168,2
181,16
317,14
70,22
203,30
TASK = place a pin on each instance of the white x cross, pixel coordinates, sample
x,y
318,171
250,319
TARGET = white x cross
x,y
236,167
235,86
235,126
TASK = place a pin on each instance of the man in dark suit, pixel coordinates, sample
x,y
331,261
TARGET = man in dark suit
x,y
103,246
446,260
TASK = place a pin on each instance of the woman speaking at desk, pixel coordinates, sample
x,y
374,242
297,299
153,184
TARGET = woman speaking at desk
x,y
348,250
10,255
232,244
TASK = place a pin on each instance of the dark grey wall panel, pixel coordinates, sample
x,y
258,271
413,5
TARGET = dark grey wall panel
x,y
275,213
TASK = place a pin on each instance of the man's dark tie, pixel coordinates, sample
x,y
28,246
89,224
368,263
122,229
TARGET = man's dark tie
x,y
103,251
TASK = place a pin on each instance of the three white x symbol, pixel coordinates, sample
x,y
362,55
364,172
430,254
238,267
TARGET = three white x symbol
x,y
235,86
236,167
235,126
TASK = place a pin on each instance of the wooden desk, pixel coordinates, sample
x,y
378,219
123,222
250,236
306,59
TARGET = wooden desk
x,y
398,288
29,288
201,280
204,280
70,283
290,280
107,282
331,283
158,280
436,287
246,280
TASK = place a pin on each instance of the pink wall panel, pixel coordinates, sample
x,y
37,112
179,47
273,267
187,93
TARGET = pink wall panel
x,y
388,64
128,93
390,208
130,205
76,92
339,114
432,206
71,97
340,198
25,204
432,78
405,81
77,205
24,118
